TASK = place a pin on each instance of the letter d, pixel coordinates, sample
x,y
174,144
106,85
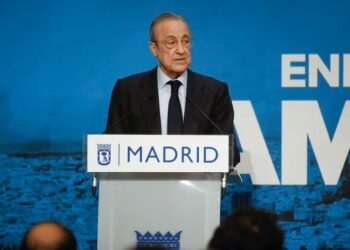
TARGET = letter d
x,y
210,154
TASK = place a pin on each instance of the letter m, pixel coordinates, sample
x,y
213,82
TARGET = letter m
x,y
138,151
302,120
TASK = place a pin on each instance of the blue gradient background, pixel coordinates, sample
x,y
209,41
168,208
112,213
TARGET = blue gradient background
x,y
60,60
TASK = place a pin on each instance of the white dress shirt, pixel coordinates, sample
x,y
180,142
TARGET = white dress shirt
x,y
164,93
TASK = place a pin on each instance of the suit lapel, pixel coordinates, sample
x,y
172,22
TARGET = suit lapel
x,y
194,93
149,89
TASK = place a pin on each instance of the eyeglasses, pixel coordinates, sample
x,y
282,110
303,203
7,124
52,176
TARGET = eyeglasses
x,y
172,43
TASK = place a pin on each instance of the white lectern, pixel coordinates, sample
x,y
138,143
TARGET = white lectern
x,y
158,190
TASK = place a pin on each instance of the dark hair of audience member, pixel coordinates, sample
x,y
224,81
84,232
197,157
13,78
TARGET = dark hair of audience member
x,y
248,228
49,235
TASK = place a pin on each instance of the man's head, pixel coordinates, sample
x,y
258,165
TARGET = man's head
x,y
248,229
48,235
170,42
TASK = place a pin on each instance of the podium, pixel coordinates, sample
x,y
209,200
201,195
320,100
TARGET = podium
x,y
157,189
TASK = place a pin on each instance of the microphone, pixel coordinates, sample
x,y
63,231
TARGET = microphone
x,y
205,116
127,114
94,175
231,151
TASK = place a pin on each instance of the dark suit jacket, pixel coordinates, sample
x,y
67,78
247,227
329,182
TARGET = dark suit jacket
x,y
134,106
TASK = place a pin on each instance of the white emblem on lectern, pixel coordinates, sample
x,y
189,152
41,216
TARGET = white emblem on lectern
x,y
104,154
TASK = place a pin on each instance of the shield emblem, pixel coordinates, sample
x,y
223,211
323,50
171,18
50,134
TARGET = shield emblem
x,y
104,154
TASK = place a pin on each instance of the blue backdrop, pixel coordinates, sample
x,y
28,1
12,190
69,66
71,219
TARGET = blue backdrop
x,y
60,60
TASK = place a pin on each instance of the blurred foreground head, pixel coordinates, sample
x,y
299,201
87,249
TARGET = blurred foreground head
x,y
49,235
248,228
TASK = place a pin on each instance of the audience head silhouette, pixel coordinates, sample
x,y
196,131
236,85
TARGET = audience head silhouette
x,y
48,235
248,228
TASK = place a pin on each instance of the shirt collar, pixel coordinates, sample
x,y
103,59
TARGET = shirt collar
x,y
162,78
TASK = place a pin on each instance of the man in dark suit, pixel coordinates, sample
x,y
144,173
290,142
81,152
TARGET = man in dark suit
x,y
170,99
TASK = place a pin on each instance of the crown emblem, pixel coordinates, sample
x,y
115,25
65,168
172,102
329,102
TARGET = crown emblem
x,y
169,241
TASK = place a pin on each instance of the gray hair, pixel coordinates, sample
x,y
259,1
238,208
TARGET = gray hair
x,y
163,17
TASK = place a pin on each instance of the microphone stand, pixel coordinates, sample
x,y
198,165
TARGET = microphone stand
x,y
231,149
108,129
94,184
